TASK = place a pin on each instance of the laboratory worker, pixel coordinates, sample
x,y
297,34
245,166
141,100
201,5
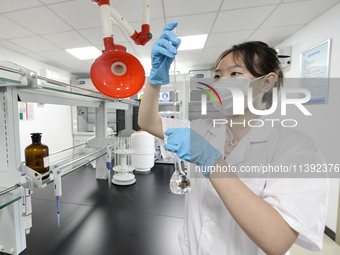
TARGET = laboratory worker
x,y
227,213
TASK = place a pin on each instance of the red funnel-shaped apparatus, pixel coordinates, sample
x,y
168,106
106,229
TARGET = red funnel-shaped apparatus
x,y
117,74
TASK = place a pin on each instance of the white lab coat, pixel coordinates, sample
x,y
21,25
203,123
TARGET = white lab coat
x,y
209,228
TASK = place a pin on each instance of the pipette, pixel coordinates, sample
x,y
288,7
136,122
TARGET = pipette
x,y
179,182
109,162
57,191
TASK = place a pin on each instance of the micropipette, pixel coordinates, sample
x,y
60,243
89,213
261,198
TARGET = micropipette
x,y
179,182
109,162
57,191
58,210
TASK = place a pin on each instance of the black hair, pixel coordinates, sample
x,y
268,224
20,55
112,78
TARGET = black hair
x,y
259,59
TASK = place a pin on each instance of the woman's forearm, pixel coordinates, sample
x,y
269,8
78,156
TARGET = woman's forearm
x,y
258,219
148,117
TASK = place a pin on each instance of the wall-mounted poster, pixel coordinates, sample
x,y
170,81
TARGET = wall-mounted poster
x,y
26,111
315,71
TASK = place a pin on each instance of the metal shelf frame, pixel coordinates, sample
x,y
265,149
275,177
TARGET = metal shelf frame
x,y
67,161
9,195
20,82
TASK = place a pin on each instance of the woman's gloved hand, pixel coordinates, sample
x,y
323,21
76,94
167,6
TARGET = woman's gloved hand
x,y
163,54
192,147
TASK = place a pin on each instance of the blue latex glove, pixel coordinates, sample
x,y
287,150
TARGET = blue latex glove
x,y
163,54
192,147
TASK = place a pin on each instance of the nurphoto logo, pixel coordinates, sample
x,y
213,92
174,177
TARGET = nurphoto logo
x,y
238,106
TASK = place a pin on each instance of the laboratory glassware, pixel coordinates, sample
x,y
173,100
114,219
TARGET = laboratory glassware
x,y
37,156
179,182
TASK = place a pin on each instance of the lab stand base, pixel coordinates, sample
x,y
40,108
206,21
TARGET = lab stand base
x,y
123,183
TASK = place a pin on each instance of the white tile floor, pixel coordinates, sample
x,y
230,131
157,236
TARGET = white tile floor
x,y
329,248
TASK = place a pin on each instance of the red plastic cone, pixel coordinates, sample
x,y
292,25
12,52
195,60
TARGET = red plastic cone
x,y
117,74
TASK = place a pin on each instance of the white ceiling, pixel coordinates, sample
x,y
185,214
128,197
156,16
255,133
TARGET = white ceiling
x,y
43,29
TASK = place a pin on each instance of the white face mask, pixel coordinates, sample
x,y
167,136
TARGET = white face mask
x,y
224,86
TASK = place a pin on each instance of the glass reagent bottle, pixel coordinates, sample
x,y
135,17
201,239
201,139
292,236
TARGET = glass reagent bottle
x,y
37,156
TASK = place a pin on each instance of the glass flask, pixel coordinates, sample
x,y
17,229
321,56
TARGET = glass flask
x,y
37,156
179,182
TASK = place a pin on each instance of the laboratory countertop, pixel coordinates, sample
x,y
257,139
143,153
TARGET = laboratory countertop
x,y
142,219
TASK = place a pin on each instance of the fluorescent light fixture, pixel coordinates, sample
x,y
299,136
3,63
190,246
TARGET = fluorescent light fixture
x,y
193,42
85,52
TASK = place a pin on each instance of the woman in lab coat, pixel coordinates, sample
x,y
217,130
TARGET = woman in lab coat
x,y
227,214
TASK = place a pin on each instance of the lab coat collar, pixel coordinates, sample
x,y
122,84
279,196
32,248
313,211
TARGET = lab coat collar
x,y
255,135
262,133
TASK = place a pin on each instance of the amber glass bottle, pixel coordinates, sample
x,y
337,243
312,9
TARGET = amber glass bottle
x,y
36,155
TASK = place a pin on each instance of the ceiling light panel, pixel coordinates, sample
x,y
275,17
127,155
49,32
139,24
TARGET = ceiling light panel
x,y
193,42
85,52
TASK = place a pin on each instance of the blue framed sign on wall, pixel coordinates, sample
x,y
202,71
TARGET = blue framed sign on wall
x,y
315,71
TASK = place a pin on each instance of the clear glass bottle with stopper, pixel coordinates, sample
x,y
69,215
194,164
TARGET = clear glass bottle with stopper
x,y
179,182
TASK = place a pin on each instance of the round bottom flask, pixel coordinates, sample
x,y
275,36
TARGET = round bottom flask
x,y
179,182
